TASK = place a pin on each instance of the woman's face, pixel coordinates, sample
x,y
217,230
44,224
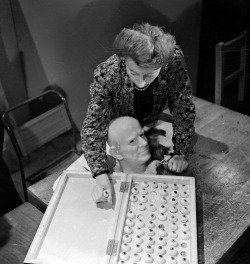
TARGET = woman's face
x,y
141,77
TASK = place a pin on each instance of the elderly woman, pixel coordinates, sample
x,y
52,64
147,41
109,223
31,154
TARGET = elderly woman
x,y
147,71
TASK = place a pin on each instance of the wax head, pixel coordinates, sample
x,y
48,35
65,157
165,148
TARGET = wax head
x,y
127,142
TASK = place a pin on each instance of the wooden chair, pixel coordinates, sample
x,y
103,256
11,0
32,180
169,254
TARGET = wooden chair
x,y
238,73
34,124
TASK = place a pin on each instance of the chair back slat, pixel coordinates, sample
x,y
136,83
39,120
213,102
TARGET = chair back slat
x,y
40,130
222,77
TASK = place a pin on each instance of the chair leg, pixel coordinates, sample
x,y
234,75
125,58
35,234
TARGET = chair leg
x,y
25,192
241,89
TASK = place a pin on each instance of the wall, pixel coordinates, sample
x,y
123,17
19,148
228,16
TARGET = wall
x,y
62,41
11,75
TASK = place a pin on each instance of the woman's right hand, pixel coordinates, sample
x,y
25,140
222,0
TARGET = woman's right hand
x,y
103,190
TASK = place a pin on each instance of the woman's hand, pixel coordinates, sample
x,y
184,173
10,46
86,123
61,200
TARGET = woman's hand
x,y
177,164
102,192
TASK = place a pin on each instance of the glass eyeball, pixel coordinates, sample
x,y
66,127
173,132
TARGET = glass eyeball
x,y
138,239
149,249
129,222
160,259
162,216
164,185
124,256
161,241
136,257
144,184
131,214
163,208
135,190
127,238
148,258
125,247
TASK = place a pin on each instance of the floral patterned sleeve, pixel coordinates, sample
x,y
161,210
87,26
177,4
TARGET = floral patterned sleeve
x,y
181,105
95,126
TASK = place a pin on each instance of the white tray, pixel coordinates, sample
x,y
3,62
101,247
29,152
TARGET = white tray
x,y
74,230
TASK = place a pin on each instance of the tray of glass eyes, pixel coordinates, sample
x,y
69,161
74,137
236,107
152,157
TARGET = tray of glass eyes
x,y
157,222
152,220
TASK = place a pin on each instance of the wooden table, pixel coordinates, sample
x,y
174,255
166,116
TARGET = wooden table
x,y
17,230
220,162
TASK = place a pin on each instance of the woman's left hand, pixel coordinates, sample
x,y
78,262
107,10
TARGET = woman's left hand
x,y
178,163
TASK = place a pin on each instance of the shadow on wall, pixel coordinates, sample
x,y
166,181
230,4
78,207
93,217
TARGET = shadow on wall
x,y
100,21
24,38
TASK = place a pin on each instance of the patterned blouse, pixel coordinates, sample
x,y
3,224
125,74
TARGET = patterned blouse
x,y
112,96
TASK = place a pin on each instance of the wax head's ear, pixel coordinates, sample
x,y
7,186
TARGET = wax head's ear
x,y
115,153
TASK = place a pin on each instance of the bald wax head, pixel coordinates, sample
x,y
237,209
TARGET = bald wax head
x,y
128,143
